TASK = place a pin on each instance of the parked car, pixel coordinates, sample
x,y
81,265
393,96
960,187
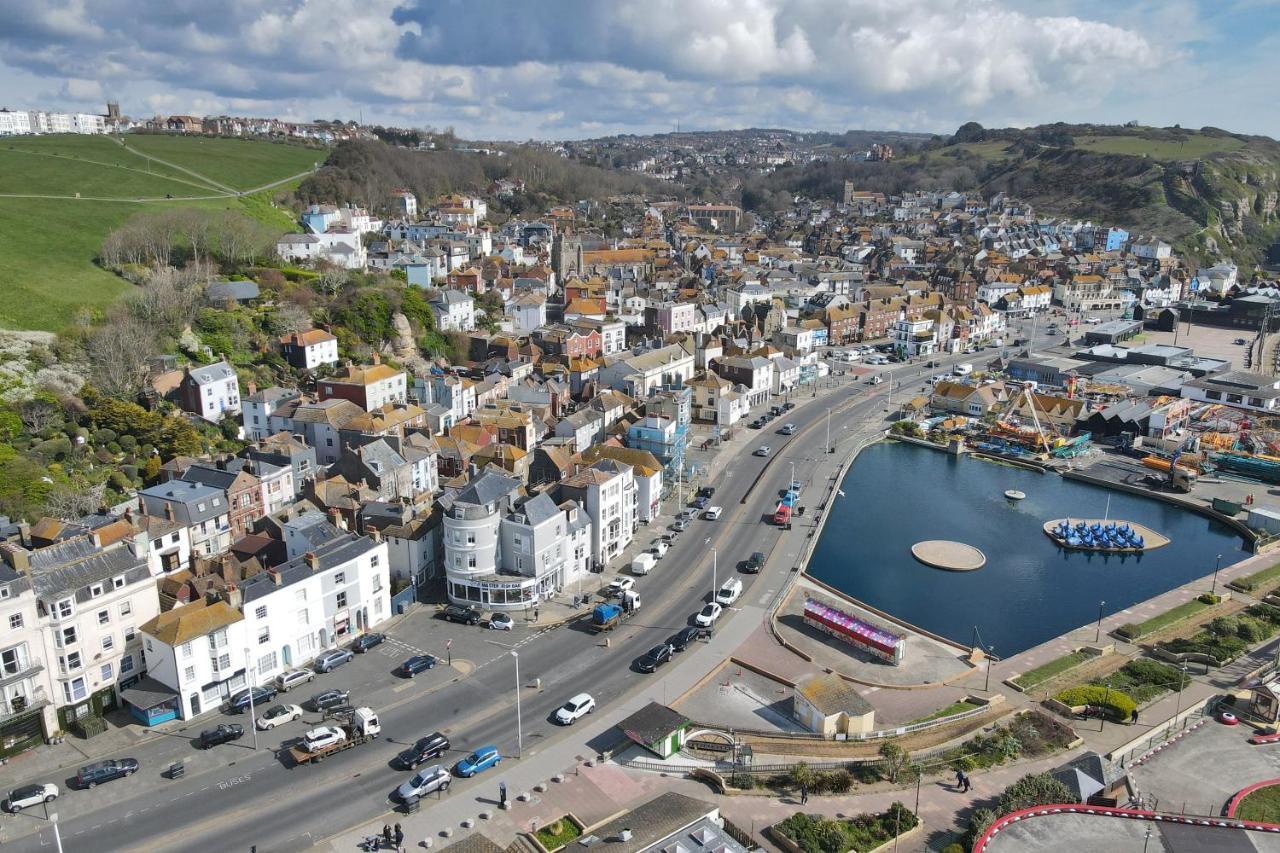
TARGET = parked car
x,y
30,795
367,641
416,664
425,781
278,715
756,424
576,708
708,615
712,513
92,775
680,525
680,640
331,659
331,698
754,563
501,622
659,547
262,694
707,491
286,681
478,761
763,450
787,429
324,736
224,733
426,748
699,502
655,657
687,514
729,592
461,614
786,407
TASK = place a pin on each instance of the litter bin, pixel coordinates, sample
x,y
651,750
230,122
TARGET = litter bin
x,y
412,804
176,769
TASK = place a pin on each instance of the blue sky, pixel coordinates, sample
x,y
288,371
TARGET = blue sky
x,y
575,68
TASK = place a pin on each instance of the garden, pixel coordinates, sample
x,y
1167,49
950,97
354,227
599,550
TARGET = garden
x,y
1123,691
1033,678
1137,630
1030,735
1226,637
1259,582
558,833
820,834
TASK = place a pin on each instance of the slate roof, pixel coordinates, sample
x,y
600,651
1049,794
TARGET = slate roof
x,y
77,563
652,723
237,290
216,372
539,509
186,499
330,555
487,488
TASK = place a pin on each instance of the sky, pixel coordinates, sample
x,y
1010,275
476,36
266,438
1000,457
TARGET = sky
x,y
566,69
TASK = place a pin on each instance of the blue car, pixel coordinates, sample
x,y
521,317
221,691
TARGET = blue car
x,y
417,664
482,759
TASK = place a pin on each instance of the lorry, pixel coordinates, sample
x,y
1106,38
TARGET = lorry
x,y
360,726
606,617
643,563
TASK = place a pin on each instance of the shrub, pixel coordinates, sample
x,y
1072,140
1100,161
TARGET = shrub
x,y
1034,790
1119,705
1221,626
1209,598
835,781
1128,630
953,848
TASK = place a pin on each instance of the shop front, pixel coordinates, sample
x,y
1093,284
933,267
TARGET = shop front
x,y
504,593
150,702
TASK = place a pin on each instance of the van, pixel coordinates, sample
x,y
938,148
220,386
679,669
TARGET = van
x,y
643,563
712,513
659,548
729,592
963,369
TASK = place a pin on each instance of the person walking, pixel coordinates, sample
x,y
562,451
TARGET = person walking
x,y
399,838
966,783
502,793
1133,717
804,794
386,834
960,780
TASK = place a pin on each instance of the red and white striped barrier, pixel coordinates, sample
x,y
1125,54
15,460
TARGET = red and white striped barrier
x,y
1000,824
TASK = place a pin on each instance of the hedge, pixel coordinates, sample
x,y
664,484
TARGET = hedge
x,y
1118,703
1249,583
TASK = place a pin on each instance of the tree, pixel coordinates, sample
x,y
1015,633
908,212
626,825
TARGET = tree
x,y
331,281
39,413
895,758
69,503
120,352
151,471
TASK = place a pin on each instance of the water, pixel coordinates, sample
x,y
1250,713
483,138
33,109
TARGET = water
x,y
1030,590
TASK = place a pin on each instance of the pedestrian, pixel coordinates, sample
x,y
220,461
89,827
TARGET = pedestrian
x,y
1133,717
502,793
804,794
386,834
966,783
399,838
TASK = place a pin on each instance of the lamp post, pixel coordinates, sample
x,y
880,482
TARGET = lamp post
x,y
715,556
1097,635
1182,678
1216,568
519,724
986,688
248,677
1147,840
57,836
828,429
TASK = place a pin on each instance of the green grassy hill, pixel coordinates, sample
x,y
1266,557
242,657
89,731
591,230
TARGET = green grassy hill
x,y
48,245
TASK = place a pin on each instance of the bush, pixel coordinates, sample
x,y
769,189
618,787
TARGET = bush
x,y
834,782
1119,705
953,848
1129,630
1034,790
1208,598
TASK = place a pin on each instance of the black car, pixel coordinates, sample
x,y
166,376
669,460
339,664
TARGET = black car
x,y
367,641
680,640
92,775
655,657
332,698
786,407
416,664
224,733
707,492
754,563
426,748
262,694
458,613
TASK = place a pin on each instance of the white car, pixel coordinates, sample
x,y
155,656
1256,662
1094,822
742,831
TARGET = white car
x,y
577,707
618,586
278,715
708,615
34,795
712,513
763,450
325,736
286,681
501,622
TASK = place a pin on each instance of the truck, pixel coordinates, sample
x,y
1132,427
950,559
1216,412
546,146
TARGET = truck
x,y
606,617
643,563
359,726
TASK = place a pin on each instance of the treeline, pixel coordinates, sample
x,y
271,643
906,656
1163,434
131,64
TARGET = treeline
x,y
179,235
366,172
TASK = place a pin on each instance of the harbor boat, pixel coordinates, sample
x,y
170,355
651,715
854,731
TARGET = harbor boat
x,y
1014,494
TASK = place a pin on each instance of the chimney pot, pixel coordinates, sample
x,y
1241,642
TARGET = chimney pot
x,y
312,560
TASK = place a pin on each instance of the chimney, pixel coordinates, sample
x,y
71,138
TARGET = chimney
x,y
18,558
275,576
312,560
376,534
235,597
221,463
24,533
252,386
377,357
168,511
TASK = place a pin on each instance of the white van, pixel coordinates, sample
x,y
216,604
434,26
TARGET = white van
x,y
729,592
643,563
712,513
963,369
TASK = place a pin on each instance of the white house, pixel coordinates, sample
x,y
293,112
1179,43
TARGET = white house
x,y
914,337
197,650
786,375
607,491
455,311
210,391
259,407
310,349
528,311
673,317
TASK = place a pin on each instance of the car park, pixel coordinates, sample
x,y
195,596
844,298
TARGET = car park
x,y
322,737
278,715
286,681
92,775
501,622
461,614
729,592
224,733
754,563
480,760
680,640
367,641
576,708
426,748
712,513
426,781
30,795
331,698
708,615
655,657
787,429
416,664
262,694
331,659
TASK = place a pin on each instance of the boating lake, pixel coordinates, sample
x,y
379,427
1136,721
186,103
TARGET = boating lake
x,y
1030,589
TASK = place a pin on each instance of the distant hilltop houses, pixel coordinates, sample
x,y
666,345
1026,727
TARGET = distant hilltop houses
x,y
31,122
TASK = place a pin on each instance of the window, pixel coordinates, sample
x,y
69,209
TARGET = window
x,y
377,583
267,662
301,594
108,672
224,661
173,537
126,664
201,506
129,633
117,582
340,578
373,561
108,643
74,690
260,613
104,617
342,600
64,608
186,650
377,607
264,636
95,590
15,621
126,608
189,674
73,661
4,592
471,538
471,561
67,637
14,660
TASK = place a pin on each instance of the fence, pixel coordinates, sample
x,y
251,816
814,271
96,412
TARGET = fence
x,y
405,597
1140,749
879,734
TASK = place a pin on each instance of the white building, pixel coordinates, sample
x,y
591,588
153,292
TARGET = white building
x,y
914,337
15,123
455,311
197,650
258,408
211,391
310,349
676,317
607,491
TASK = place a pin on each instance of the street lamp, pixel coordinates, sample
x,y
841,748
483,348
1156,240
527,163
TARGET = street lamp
x,y
987,687
519,724
1097,636
1182,678
57,836
248,677
828,429
1214,591
715,556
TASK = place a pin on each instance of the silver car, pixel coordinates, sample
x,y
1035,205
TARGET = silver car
x,y
428,780
331,659
290,679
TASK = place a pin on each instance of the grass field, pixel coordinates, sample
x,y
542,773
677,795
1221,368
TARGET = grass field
x,y
239,163
42,174
102,150
1183,611
1035,677
1258,582
1196,146
1263,805
952,709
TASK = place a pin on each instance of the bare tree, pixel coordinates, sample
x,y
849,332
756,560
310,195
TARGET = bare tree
x,y
331,281
292,317
72,503
120,352
39,414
